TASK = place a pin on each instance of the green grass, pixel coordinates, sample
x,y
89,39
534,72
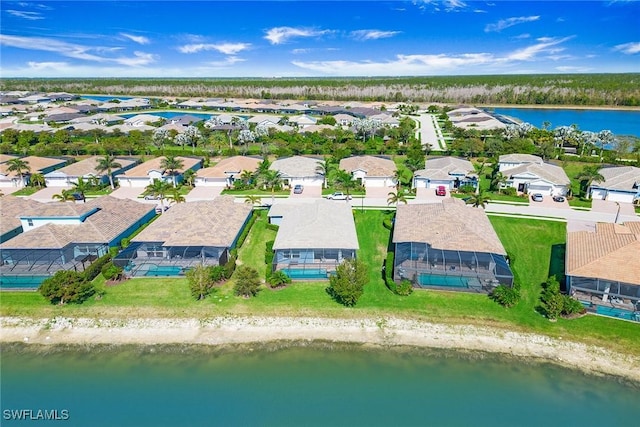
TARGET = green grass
x,y
26,191
256,192
536,248
579,203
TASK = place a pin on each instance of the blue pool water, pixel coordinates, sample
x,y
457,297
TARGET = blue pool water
x,y
294,273
168,270
21,282
171,114
447,281
617,312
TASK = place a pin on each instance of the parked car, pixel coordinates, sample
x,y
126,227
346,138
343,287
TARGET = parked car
x,y
441,190
537,197
78,196
338,195
297,189
151,197
558,198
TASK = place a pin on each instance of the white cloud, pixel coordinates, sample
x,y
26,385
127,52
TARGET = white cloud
x,y
509,22
40,66
372,34
75,51
628,48
544,45
569,69
226,48
228,61
32,16
280,35
137,39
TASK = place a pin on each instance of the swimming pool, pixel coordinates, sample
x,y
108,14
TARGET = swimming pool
x,y
164,270
444,281
300,274
21,282
617,313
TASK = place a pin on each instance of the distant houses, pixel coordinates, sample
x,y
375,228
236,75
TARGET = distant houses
x,y
42,165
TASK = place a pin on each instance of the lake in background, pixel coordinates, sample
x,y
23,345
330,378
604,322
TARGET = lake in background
x,y
322,384
105,98
617,121
172,114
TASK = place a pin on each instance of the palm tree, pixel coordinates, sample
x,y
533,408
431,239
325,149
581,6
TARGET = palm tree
x,y
64,196
159,189
397,176
81,187
37,180
344,180
107,164
189,177
172,164
175,195
324,168
246,177
498,180
588,176
271,179
253,199
396,198
478,200
18,166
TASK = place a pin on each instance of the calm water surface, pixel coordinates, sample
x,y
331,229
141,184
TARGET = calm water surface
x,y
319,384
617,121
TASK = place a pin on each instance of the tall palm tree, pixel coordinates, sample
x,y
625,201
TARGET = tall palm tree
x,y
272,179
397,176
247,177
498,180
479,200
172,164
81,187
344,181
37,180
324,168
588,176
159,189
396,198
252,199
18,166
107,164
175,195
189,177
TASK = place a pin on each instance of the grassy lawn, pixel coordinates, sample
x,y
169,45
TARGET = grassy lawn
x,y
579,203
536,248
26,191
256,192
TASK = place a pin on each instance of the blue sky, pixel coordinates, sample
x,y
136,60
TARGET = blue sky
x,y
313,38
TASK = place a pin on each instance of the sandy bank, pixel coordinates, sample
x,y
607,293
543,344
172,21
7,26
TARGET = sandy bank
x,y
383,332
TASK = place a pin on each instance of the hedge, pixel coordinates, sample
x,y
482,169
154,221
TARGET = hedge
x,y
245,231
268,258
404,288
95,268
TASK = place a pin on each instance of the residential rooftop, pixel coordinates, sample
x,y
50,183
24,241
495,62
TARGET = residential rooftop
x,y
297,166
449,225
36,164
519,158
88,166
374,166
230,166
143,169
442,168
546,171
620,178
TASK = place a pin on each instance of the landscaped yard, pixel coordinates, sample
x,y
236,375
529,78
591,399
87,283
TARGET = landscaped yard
x,y
531,244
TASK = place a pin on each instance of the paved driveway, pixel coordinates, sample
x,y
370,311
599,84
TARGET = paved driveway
x,y
308,192
127,193
46,194
607,206
379,192
428,195
203,193
548,202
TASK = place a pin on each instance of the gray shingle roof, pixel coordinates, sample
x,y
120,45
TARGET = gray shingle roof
x,y
296,166
372,165
546,171
519,158
450,225
442,168
620,178
203,223
88,167
324,224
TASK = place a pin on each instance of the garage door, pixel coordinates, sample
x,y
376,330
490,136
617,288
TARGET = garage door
x,y
620,197
598,193
544,189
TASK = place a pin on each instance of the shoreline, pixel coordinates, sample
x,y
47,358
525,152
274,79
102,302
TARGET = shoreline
x,y
383,332
560,107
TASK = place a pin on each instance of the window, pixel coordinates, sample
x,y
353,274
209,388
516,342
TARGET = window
x,y
30,222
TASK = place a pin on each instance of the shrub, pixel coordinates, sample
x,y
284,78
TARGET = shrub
x,y
95,268
273,227
405,288
388,223
505,295
66,286
200,281
509,191
571,306
347,285
245,231
278,278
218,273
230,266
467,189
247,282
110,271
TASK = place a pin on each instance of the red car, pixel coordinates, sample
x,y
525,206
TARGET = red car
x,y
441,191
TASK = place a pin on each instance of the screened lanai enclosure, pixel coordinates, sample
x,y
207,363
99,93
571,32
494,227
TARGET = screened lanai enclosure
x,y
606,297
427,267
27,268
154,259
309,264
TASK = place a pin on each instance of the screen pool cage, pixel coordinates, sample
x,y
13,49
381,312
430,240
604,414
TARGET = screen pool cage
x,y
426,266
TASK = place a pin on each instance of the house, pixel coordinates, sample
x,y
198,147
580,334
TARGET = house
x,y
299,170
185,120
142,119
11,207
510,161
226,172
602,269
343,119
36,164
621,184
531,176
450,172
86,169
474,118
303,121
371,171
188,234
448,245
145,173
313,238
67,236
